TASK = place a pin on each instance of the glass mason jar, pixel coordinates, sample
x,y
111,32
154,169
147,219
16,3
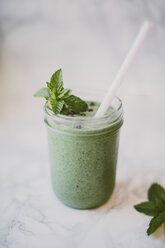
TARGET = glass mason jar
x,y
83,153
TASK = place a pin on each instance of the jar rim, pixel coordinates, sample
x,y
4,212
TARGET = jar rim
x,y
59,117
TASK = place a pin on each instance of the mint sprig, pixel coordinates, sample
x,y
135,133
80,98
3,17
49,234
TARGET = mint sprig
x,y
155,206
60,99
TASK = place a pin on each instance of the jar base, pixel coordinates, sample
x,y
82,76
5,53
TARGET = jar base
x,y
84,206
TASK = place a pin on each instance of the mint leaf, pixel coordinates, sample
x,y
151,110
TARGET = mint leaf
x,y
76,104
147,208
53,102
44,92
65,110
160,205
56,82
154,207
156,222
64,93
59,106
156,193
49,85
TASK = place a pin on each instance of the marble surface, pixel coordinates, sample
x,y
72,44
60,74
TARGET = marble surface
x,y
89,40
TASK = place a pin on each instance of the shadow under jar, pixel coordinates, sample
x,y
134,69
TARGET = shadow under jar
x,y
83,152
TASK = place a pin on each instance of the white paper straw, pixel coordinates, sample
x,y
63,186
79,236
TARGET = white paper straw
x,y
143,33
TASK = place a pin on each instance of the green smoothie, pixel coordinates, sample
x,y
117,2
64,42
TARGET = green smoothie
x,y
83,154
